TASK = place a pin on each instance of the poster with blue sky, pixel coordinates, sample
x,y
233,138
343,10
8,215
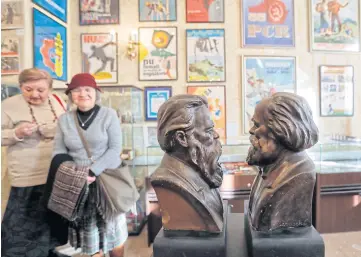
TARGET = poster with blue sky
x,y
58,8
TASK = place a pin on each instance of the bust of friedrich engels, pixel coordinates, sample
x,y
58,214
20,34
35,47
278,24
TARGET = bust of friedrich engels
x,y
281,195
187,180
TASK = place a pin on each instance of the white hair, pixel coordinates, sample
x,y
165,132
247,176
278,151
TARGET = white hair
x,y
70,100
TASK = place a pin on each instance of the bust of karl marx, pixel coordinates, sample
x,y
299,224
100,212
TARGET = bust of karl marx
x,y
187,180
281,195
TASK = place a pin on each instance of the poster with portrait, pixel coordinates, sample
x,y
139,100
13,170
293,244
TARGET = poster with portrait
x,y
158,57
50,46
100,57
268,23
337,90
335,25
209,11
58,8
12,14
206,60
154,98
216,96
9,91
98,12
264,76
11,48
160,10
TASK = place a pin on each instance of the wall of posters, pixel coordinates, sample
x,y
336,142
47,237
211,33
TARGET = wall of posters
x,y
205,55
9,91
100,56
205,11
268,23
216,96
335,25
264,76
337,90
154,98
97,12
11,48
12,14
58,8
50,46
158,57
161,10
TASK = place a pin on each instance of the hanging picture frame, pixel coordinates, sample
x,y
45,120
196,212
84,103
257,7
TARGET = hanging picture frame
x,y
58,8
160,11
154,98
11,51
99,12
205,11
12,14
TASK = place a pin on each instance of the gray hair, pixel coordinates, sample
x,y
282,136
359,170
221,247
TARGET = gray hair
x,y
70,99
289,117
177,114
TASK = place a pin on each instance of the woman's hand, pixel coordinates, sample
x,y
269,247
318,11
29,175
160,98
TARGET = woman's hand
x,y
90,180
48,130
25,129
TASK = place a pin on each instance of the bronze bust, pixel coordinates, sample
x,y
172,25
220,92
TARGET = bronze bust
x,y
187,180
281,195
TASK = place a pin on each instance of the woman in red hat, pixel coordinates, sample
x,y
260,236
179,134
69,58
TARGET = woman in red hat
x,y
100,127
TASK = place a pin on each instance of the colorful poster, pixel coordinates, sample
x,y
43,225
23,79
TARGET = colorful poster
x,y
268,23
12,14
216,96
205,11
100,57
264,76
11,47
95,12
160,10
158,58
58,8
9,91
50,46
154,98
335,25
206,60
337,90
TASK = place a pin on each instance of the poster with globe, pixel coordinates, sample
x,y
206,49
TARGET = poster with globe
x,y
216,96
158,58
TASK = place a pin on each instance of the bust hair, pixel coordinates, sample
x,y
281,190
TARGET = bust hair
x,y
34,74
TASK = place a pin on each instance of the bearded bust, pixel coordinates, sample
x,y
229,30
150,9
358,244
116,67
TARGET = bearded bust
x,y
281,195
187,180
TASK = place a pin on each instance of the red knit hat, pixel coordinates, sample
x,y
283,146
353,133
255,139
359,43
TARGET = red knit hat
x,y
82,80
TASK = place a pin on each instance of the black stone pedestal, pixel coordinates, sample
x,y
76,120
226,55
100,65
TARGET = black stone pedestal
x,y
296,242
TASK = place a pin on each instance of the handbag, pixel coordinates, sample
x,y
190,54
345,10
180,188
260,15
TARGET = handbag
x,y
116,190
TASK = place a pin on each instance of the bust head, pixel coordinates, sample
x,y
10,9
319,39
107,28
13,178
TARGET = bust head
x,y
186,132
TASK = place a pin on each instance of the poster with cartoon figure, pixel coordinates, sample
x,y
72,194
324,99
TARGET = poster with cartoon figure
x,y
211,11
157,10
216,96
264,76
97,12
337,90
99,56
268,23
12,14
205,55
158,58
335,25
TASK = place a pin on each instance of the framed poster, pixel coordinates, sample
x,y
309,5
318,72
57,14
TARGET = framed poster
x,y
100,56
336,90
216,96
98,12
11,48
58,8
9,91
209,11
50,46
206,61
161,10
264,76
154,98
158,57
335,25
268,23
152,136
12,14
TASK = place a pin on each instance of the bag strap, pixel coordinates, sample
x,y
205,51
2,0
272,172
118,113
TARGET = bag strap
x,y
59,101
80,132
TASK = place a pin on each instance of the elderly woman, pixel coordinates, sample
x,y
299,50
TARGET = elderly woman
x,y
28,123
101,129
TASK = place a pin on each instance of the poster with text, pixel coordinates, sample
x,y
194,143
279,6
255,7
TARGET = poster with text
x,y
97,12
216,96
50,46
205,55
268,23
58,8
11,48
154,98
12,14
158,58
264,76
99,56
335,25
205,11
337,90
160,10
